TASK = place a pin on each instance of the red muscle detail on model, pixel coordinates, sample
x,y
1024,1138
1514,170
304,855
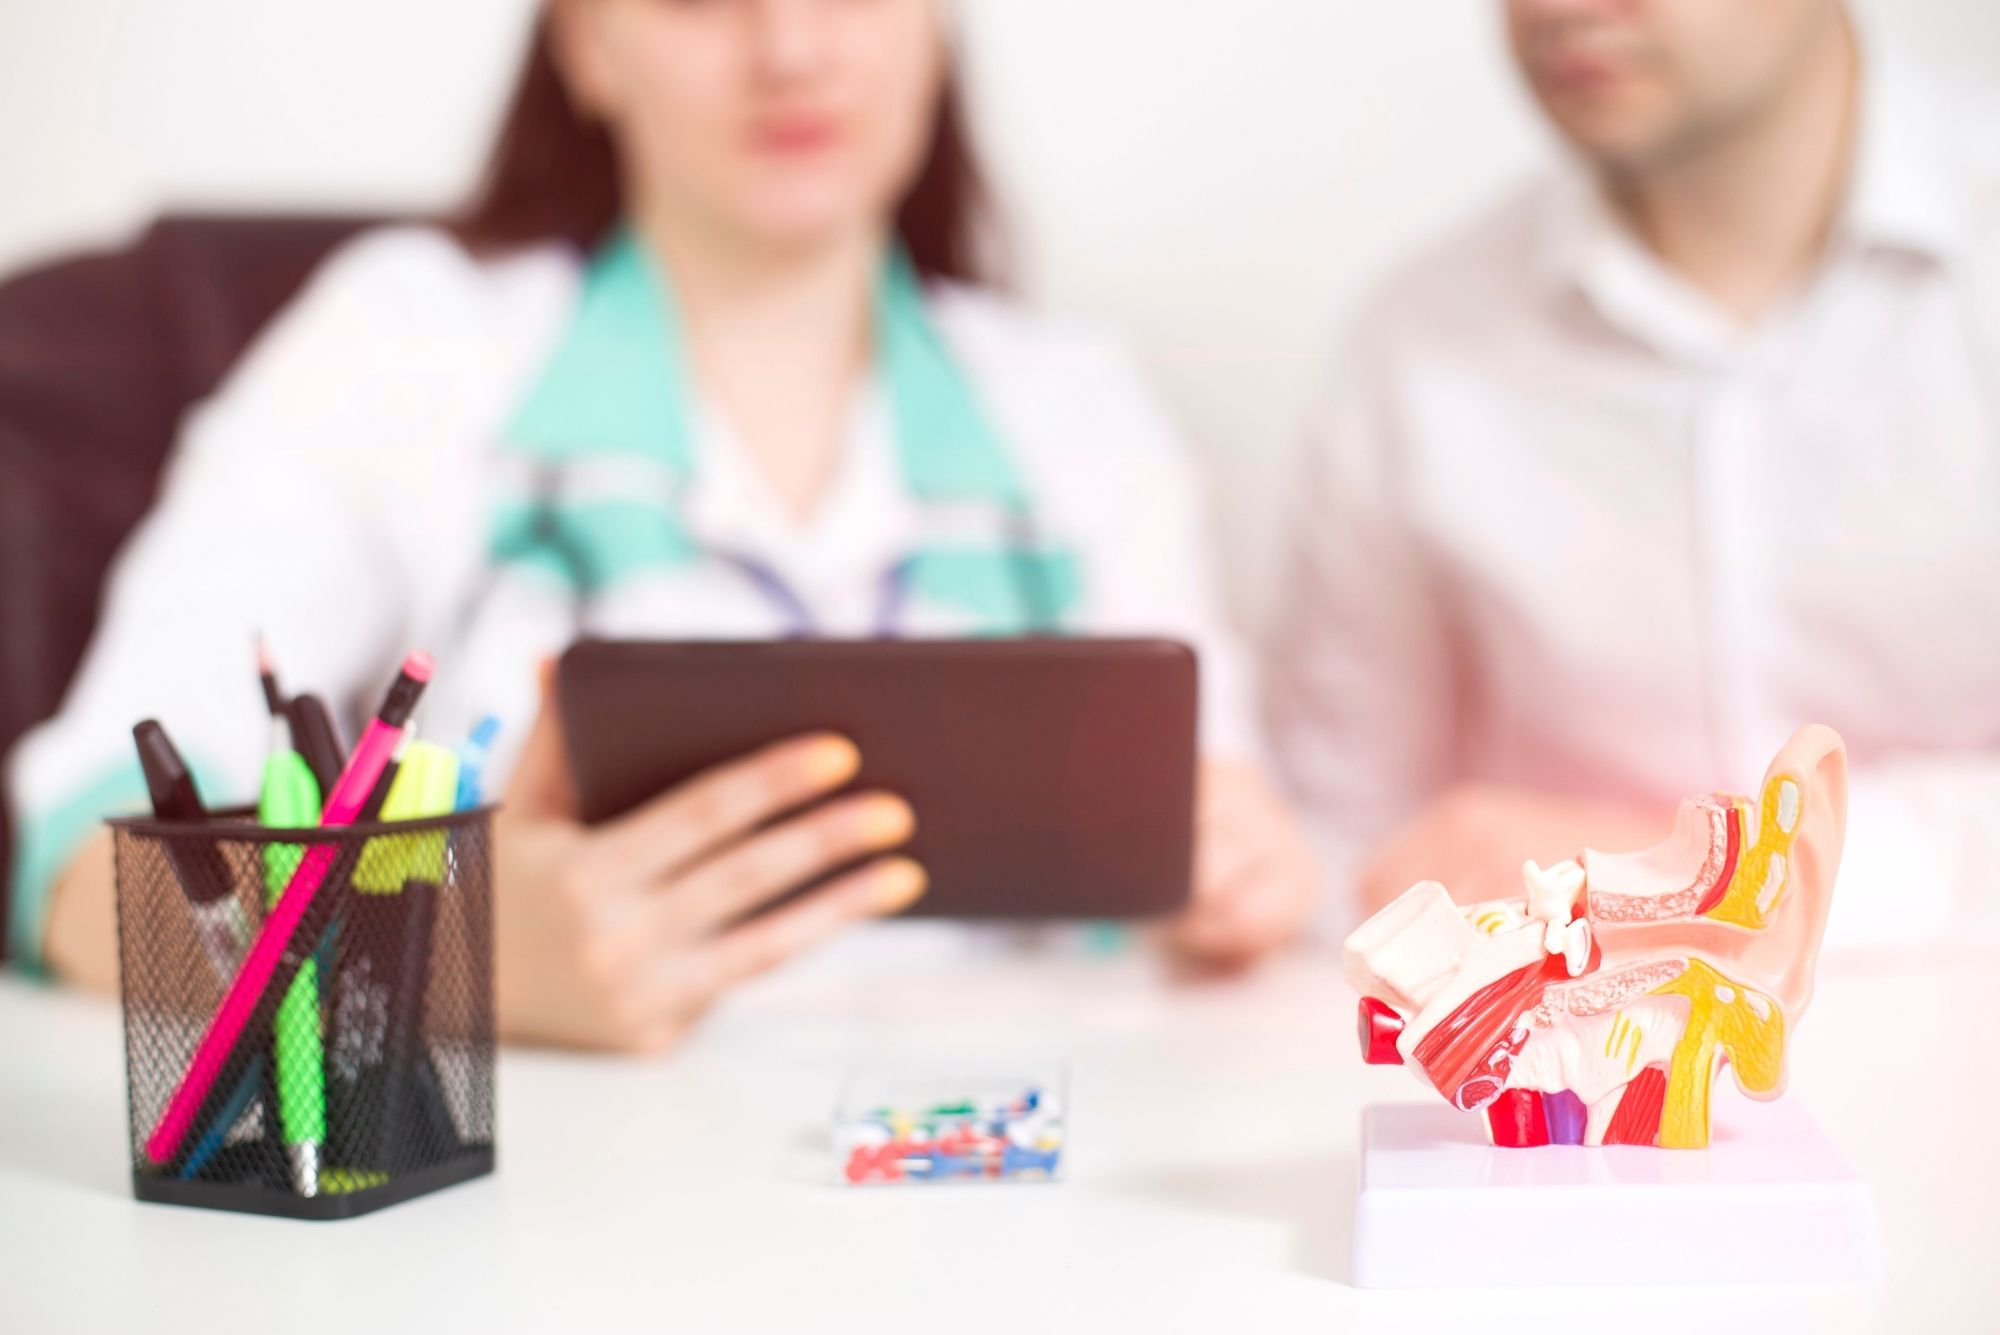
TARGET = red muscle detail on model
x,y
1379,1028
1637,1121
1729,860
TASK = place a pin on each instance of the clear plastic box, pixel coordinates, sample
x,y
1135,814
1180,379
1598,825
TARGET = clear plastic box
x,y
906,1126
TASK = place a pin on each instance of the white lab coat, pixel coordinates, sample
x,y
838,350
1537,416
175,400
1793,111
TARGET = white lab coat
x,y
337,495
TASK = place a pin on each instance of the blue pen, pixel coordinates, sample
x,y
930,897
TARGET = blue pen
x,y
218,1130
472,758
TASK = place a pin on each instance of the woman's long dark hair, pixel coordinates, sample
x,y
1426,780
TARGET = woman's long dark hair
x,y
554,176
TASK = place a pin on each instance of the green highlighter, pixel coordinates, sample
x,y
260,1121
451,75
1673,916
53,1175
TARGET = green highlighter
x,y
289,799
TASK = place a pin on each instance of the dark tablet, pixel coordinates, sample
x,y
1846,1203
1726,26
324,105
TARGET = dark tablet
x,y
1050,777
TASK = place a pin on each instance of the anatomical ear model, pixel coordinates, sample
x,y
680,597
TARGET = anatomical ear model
x,y
1597,1008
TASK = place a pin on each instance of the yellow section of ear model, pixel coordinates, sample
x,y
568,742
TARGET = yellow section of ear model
x,y
1765,863
1745,1024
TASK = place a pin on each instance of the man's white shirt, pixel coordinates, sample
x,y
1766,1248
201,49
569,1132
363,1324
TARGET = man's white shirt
x,y
1565,523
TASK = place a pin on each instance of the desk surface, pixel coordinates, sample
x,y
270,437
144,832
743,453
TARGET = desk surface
x,y
1210,1173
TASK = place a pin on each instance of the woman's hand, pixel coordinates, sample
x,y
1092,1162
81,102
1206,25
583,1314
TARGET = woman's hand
x,y
1475,837
80,934
620,935
1255,882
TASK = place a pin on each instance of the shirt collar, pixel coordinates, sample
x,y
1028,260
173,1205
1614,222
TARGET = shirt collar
x,y
618,383
860,525
1583,247
1900,196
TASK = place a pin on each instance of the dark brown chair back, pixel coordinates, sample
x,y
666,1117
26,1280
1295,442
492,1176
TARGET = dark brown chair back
x,y
100,358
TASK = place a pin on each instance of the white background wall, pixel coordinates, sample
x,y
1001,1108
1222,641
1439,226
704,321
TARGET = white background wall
x,y
1219,178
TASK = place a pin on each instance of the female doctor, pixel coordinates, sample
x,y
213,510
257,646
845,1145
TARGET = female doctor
x,y
702,360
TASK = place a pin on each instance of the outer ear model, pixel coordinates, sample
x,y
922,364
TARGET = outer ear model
x,y
1597,1008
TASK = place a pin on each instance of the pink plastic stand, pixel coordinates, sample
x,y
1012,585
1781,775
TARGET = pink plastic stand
x,y
1769,1201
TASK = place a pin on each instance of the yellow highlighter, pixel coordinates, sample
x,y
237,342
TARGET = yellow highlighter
x,y
426,784
385,1106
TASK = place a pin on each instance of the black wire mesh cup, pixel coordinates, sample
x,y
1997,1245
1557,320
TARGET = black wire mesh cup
x,y
364,1076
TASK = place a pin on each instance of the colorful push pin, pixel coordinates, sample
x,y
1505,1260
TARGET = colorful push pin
x,y
1019,1160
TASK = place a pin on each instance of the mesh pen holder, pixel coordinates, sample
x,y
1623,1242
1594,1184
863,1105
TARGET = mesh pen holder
x,y
364,1075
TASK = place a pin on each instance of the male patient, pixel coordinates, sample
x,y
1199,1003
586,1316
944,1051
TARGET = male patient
x,y
1692,441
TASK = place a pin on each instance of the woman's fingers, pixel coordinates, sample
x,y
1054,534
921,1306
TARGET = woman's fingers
x,y
1232,834
885,886
772,862
1223,856
662,998
1244,917
646,1004
1222,900
720,805
1255,881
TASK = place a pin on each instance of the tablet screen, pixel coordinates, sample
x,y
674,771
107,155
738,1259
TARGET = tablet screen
x,y
1050,777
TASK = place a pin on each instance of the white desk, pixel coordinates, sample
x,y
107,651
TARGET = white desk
x,y
1210,1175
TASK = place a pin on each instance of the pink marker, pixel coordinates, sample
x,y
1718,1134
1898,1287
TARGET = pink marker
x,y
253,976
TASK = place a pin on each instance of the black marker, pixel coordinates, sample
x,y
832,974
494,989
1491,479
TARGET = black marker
x,y
220,920
316,739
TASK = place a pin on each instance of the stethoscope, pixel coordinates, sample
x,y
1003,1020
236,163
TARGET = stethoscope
x,y
1020,541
